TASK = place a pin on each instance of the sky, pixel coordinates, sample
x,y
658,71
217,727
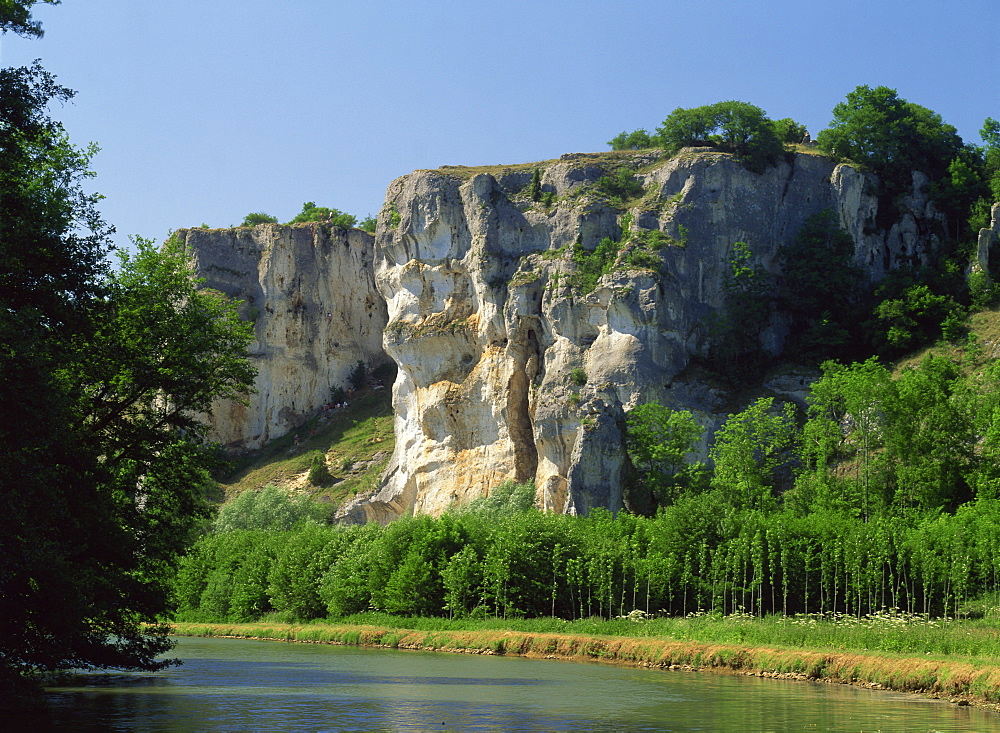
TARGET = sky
x,y
207,110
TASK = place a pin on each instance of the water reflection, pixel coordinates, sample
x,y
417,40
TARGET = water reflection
x,y
230,685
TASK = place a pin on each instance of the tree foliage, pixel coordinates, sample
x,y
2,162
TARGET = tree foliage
x,y
821,288
102,375
15,16
334,217
891,137
659,440
734,127
258,217
735,351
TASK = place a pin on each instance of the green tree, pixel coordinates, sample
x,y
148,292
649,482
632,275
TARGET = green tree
x,y
754,453
891,137
734,127
916,317
535,187
101,378
859,396
820,286
15,16
658,440
735,351
635,140
266,508
258,217
788,130
334,217
368,224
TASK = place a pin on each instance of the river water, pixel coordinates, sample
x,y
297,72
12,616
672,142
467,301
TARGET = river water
x,y
236,685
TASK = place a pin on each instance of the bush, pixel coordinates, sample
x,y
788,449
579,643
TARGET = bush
x,y
358,376
319,474
368,224
578,377
620,186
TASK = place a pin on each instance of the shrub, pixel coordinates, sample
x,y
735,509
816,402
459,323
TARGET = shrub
x,y
358,376
578,377
368,224
319,474
591,266
619,186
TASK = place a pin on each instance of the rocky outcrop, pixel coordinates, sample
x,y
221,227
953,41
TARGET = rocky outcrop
x,y
510,367
310,291
986,251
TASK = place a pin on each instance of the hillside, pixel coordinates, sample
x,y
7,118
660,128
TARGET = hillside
x,y
355,441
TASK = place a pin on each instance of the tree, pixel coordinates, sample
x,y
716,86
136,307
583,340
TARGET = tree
x,y
820,286
859,396
734,127
103,377
736,352
15,16
753,454
635,140
335,217
658,440
266,508
258,217
535,187
788,130
891,137
990,134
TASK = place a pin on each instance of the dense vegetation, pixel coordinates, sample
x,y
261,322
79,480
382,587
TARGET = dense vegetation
x,y
885,494
101,374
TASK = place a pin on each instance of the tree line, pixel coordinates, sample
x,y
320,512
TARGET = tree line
x,y
883,493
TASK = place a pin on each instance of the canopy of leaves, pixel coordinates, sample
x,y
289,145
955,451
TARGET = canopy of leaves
x,y
635,140
258,217
658,440
891,137
15,16
266,508
821,288
335,217
102,375
734,127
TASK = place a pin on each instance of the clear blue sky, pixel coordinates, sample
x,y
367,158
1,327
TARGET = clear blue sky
x,y
206,110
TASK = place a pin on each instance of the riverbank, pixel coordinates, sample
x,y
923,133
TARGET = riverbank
x,y
957,680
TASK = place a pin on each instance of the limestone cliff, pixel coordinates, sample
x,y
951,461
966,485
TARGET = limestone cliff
x,y
310,291
509,368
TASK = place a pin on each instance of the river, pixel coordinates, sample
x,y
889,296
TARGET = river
x,y
237,685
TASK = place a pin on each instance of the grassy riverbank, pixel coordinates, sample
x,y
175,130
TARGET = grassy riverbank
x,y
958,660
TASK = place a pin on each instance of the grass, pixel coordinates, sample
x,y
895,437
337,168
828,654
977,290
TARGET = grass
x,y
887,651
357,443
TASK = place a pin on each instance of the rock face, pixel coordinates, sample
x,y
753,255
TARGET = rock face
x,y
311,293
510,369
